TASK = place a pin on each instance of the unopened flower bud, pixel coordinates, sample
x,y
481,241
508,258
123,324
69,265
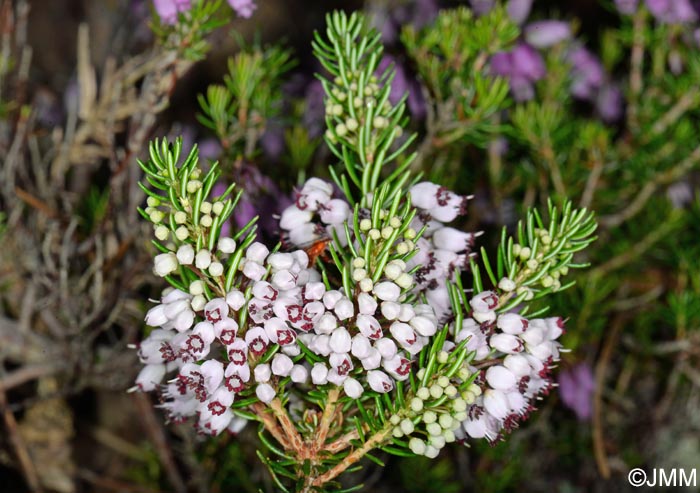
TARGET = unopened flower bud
x,y
165,264
161,232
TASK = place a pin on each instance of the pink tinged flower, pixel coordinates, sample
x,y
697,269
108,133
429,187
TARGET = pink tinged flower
x,y
236,425
387,291
257,340
284,280
341,363
167,10
320,344
369,326
293,217
518,10
299,374
253,271
500,378
533,335
380,381
543,34
282,365
386,347
150,377
314,291
265,392
319,374
273,326
344,309
226,331
238,352
367,305
304,234
484,301
257,252
336,378
543,351
217,424
340,341
406,313
403,334
424,326
518,365
291,350
206,331
506,343
216,310
262,373
555,327
518,402
236,376
235,299
220,401
452,240
289,309
398,367
372,360
326,324
512,323
576,387
360,346
155,317
424,195
264,291
390,310
331,298
496,403
484,317
335,211
260,310
352,388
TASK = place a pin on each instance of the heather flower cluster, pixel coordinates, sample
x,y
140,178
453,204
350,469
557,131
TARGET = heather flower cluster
x,y
358,317
168,10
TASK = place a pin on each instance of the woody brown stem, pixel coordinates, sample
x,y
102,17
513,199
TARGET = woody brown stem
x,y
293,437
270,424
352,458
326,419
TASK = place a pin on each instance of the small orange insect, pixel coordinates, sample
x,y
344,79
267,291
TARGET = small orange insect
x,y
316,249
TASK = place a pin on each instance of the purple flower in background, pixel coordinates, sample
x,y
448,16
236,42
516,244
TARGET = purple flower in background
x,y
518,10
608,103
244,8
389,22
576,386
627,7
402,84
167,10
543,34
672,11
481,7
587,73
314,112
523,66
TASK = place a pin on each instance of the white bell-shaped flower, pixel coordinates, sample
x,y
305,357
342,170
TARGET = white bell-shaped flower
x,y
380,381
165,264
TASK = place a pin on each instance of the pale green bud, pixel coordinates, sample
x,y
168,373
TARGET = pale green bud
x,y
161,232
423,393
182,233
416,405
205,208
180,217
429,417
